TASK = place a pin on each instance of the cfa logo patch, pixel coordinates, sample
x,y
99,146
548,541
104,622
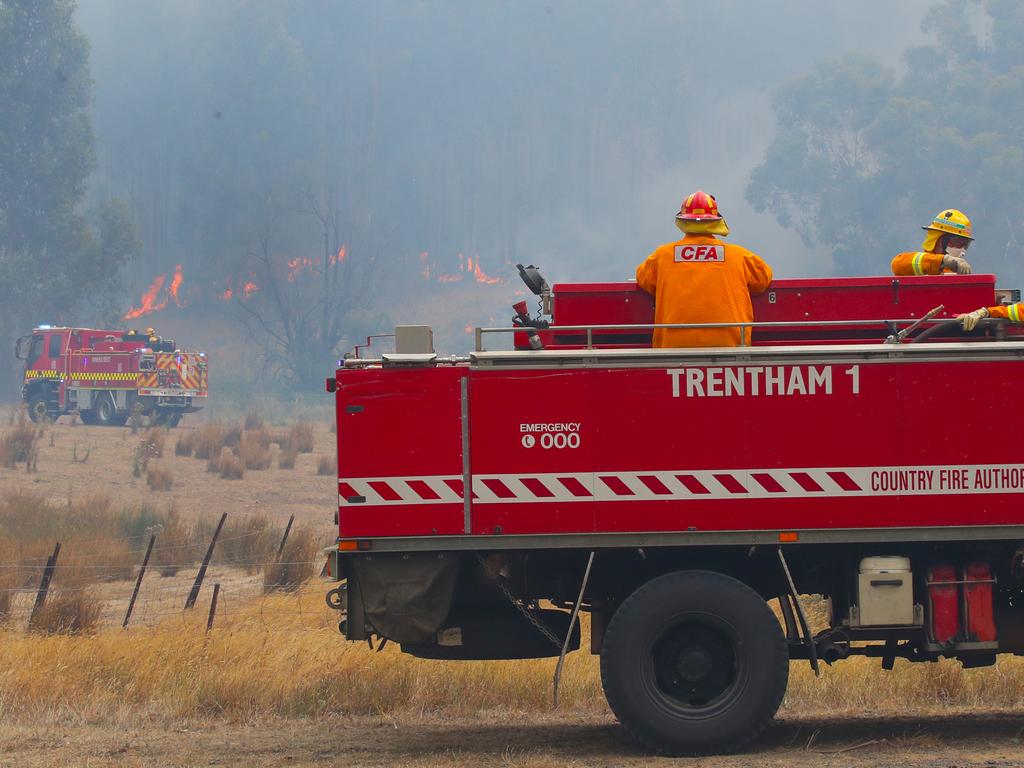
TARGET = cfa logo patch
x,y
699,253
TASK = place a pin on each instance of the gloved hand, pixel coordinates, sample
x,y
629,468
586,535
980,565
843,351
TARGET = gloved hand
x,y
956,262
970,320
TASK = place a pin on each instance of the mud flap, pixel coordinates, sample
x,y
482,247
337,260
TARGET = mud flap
x,y
406,597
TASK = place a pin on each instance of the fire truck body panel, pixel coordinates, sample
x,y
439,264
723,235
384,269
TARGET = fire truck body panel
x,y
672,492
106,372
684,445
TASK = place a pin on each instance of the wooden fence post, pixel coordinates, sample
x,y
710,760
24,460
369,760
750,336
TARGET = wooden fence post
x,y
138,581
44,583
287,530
213,606
193,594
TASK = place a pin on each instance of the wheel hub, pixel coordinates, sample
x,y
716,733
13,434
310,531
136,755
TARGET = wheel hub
x,y
694,664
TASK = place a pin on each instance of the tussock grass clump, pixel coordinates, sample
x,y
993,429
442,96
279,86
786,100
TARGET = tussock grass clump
x,y
231,466
297,564
253,453
153,442
185,444
177,545
209,441
247,542
159,479
232,435
19,444
327,465
253,420
286,459
300,437
68,612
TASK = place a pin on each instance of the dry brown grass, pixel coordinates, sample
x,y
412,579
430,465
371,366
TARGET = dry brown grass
x,y
18,445
230,466
254,453
327,465
99,541
297,563
185,444
209,441
300,437
159,479
68,612
253,419
306,669
286,459
247,542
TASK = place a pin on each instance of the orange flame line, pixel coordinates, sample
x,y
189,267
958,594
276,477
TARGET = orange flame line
x,y
176,282
148,303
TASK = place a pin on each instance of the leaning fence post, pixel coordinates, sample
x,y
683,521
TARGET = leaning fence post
x,y
287,530
193,594
213,606
44,583
138,581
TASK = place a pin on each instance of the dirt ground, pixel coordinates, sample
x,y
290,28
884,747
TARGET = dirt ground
x,y
926,741
273,492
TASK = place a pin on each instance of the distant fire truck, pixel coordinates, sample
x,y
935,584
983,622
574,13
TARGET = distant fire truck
x,y
106,375
862,448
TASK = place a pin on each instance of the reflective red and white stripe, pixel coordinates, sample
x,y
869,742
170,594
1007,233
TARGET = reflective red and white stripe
x,y
684,484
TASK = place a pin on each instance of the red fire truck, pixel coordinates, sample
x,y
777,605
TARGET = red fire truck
x,y
105,375
861,448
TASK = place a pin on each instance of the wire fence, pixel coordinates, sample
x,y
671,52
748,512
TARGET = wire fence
x,y
270,590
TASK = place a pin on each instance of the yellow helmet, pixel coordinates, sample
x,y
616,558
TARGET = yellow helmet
x,y
951,222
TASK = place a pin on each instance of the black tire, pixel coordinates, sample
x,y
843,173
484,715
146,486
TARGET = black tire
x,y
104,411
37,407
88,417
694,662
173,420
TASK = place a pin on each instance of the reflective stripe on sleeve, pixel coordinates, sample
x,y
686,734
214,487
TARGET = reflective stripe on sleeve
x,y
1014,312
916,263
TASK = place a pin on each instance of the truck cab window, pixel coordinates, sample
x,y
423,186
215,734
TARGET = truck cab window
x,y
54,350
36,350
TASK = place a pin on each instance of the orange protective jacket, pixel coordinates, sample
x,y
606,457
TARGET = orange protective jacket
x,y
918,263
1012,312
701,279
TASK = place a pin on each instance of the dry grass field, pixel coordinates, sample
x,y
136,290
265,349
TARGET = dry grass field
x,y
273,683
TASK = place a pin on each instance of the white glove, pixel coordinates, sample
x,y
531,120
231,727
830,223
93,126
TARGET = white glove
x,y
970,320
956,263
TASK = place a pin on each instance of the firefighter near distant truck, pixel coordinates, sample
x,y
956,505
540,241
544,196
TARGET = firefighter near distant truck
x,y
837,444
107,375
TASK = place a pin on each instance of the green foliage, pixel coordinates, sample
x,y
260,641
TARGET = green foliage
x,y
863,157
51,261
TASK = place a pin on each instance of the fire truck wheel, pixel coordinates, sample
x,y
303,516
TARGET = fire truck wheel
x,y
173,420
104,411
37,407
694,662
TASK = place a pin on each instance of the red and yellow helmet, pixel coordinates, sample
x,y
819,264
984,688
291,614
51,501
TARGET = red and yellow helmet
x,y
699,206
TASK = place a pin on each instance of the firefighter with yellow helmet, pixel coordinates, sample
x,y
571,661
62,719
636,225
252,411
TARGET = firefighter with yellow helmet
x,y
701,279
944,249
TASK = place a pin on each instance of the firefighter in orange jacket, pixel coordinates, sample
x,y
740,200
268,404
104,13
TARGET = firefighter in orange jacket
x,y
944,249
701,279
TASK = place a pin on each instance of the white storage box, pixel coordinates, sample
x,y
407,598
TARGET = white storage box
x,y
885,592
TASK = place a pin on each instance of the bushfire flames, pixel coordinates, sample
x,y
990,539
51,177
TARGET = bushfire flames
x,y
468,266
149,300
160,293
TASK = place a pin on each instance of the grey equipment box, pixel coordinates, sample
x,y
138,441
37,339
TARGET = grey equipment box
x,y
885,592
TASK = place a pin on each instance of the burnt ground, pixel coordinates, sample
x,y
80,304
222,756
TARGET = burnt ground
x,y
923,741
